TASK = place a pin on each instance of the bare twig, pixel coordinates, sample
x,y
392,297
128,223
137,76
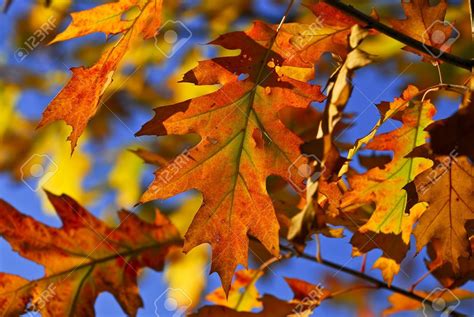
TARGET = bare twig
x,y
376,282
351,289
403,38
7,5
364,263
427,273
318,248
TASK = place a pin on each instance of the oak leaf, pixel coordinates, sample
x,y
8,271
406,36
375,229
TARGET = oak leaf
x,y
242,142
80,99
424,23
448,189
389,228
328,33
81,259
307,296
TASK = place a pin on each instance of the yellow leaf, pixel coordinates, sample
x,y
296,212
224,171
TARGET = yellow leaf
x,y
125,178
389,268
243,294
186,273
62,172
186,276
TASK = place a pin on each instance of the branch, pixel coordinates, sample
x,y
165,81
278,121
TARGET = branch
x,y
407,40
7,5
368,278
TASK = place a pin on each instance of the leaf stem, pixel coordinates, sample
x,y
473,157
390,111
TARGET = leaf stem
x,y
403,38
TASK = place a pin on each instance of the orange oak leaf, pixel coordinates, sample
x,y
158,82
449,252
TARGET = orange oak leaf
x,y
80,99
307,293
11,302
243,141
389,227
447,187
328,33
425,23
82,259
105,18
330,15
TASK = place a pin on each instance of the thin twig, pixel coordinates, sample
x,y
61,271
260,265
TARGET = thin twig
x,y
427,273
439,73
351,289
364,263
471,7
7,5
403,38
318,248
378,283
